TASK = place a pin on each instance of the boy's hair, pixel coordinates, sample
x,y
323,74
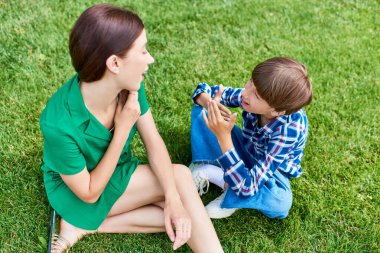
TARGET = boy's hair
x,y
283,83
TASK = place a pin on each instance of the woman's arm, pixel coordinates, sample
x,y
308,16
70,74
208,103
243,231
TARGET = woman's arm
x,y
89,186
158,155
159,160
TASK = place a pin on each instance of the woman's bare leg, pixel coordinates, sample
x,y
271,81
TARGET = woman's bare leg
x,y
146,219
136,197
203,235
144,188
128,215
71,234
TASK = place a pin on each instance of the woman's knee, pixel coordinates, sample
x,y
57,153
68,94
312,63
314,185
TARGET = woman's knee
x,y
182,173
137,193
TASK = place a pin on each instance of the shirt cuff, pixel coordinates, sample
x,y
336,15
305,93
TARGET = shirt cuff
x,y
201,88
196,93
229,159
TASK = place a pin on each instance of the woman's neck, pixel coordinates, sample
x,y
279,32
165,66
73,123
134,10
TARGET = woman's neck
x,y
99,96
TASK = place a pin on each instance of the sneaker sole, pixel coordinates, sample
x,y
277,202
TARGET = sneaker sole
x,y
219,215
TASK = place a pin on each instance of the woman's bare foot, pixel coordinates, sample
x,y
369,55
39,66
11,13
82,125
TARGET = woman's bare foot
x,y
71,233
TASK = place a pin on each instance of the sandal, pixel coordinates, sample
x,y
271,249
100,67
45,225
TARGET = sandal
x,y
59,244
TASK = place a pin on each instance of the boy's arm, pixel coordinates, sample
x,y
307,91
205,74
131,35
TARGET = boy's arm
x,y
247,181
230,97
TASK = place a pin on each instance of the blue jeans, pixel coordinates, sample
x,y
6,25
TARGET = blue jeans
x,y
274,198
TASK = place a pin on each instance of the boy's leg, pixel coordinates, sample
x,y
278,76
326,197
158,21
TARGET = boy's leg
x,y
204,145
278,197
209,172
205,173
205,150
274,199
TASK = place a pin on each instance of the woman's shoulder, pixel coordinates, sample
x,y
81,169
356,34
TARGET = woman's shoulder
x,y
56,108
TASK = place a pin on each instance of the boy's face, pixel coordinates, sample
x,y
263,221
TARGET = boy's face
x,y
253,103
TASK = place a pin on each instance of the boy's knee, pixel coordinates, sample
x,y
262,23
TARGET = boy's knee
x,y
281,209
277,206
277,215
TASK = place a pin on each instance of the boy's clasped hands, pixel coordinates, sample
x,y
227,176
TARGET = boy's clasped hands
x,y
220,121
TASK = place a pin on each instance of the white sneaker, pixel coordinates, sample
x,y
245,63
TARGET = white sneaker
x,y
216,212
200,179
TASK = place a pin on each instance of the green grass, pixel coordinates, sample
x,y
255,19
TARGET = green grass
x,y
336,202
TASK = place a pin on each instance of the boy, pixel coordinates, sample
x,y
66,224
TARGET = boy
x,y
253,164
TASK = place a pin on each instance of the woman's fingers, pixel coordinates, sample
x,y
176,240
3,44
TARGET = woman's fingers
x,y
169,229
133,96
183,233
189,232
133,100
179,238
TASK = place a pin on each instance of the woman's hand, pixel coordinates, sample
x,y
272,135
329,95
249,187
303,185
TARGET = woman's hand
x,y
127,112
177,222
219,126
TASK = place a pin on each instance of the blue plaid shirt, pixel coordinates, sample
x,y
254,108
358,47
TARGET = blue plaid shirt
x,y
278,145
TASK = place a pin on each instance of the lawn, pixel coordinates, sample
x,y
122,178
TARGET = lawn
x,y
336,202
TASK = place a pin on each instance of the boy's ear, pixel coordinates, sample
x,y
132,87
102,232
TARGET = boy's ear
x,y
113,64
276,114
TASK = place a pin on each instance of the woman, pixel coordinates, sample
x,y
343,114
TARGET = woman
x,y
91,178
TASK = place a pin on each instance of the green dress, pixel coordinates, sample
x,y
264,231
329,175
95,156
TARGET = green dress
x,y
73,139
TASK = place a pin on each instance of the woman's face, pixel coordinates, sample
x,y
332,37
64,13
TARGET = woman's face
x,y
135,64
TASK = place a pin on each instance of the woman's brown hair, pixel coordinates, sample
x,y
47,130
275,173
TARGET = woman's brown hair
x,y
101,31
283,83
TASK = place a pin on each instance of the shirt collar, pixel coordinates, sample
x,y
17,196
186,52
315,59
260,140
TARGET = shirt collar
x,y
274,123
77,108
80,114
270,127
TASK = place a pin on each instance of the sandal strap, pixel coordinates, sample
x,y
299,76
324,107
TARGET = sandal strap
x,y
60,244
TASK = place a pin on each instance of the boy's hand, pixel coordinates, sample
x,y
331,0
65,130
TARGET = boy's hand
x,y
220,127
203,98
224,111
